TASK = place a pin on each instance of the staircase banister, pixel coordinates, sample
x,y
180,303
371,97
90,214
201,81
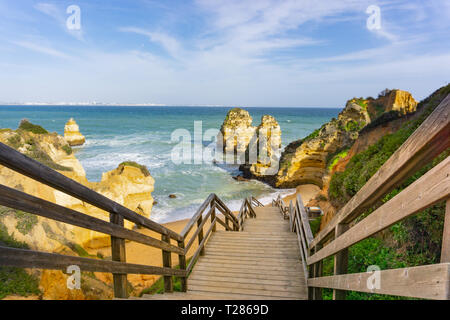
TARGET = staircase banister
x,y
197,214
33,169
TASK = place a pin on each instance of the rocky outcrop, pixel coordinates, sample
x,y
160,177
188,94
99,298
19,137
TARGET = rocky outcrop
x,y
263,152
72,133
237,131
256,148
305,161
393,100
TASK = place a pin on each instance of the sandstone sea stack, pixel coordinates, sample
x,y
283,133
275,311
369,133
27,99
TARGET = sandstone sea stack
x,y
237,131
72,133
256,148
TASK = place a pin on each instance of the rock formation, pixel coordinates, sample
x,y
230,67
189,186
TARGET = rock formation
x,y
255,147
237,131
305,161
263,152
72,133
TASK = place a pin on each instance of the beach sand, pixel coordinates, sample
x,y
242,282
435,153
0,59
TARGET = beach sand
x,y
145,255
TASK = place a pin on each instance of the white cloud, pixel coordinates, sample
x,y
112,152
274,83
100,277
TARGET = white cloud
x,y
41,49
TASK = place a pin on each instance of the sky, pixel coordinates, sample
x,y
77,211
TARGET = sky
x,y
285,53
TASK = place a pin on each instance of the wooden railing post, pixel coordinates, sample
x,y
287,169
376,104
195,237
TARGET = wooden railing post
x,y
445,252
118,254
316,272
167,263
182,262
213,216
200,234
340,262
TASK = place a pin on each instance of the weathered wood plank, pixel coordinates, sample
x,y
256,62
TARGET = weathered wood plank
x,y
428,141
19,200
118,254
432,187
340,262
199,231
167,263
273,293
18,162
197,214
445,251
294,282
427,282
182,262
35,259
294,276
304,219
245,285
200,247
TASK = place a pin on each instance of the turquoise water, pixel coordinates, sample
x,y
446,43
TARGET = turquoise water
x,y
143,134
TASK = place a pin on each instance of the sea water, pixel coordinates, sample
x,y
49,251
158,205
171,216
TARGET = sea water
x,y
143,134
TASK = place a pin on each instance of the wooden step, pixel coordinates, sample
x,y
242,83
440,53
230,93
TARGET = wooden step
x,y
268,254
254,276
301,294
249,260
295,282
250,267
245,249
251,244
246,285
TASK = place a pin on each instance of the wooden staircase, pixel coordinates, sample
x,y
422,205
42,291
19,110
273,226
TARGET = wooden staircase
x,y
260,262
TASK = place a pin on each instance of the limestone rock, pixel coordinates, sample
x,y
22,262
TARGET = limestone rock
x,y
266,148
237,131
72,133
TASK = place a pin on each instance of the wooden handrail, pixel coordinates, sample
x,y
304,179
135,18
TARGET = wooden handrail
x,y
429,189
429,282
18,162
21,201
428,141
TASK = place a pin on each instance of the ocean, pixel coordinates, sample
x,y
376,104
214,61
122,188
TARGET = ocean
x,y
143,134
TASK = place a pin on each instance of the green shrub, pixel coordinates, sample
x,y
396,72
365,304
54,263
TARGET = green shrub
x,y
67,149
26,221
15,141
143,168
34,128
15,280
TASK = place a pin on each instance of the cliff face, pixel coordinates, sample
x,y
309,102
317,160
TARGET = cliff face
x,y
305,161
381,128
130,185
72,133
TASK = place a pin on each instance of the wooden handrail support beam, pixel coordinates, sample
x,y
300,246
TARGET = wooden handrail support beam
x,y
15,199
427,282
428,141
18,162
432,187
36,259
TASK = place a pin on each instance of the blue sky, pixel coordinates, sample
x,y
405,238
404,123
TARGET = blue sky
x,y
221,52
